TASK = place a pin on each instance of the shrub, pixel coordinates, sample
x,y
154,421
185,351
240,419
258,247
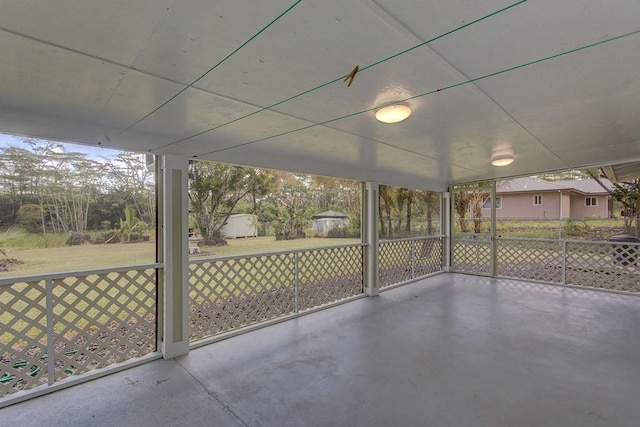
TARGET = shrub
x,y
108,237
337,232
573,228
30,218
78,239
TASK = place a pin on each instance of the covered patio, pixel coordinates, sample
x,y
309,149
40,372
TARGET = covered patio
x,y
449,350
494,90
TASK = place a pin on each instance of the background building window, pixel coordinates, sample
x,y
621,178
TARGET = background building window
x,y
487,203
537,200
591,201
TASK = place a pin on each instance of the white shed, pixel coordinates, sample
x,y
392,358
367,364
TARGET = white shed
x,y
240,225
329,220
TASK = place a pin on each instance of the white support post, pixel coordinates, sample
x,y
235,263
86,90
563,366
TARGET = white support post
x,y
494,232
175,232
370,235
447,226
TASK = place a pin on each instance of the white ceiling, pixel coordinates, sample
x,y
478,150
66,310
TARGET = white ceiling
x,y
87,71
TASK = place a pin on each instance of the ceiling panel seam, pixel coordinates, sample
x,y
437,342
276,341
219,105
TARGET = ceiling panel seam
x,y
465,76
131,64
431,92
233,52
128,69
124,67
340,78
498,105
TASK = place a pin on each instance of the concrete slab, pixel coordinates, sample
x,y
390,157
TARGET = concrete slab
x,y
452,350
159,393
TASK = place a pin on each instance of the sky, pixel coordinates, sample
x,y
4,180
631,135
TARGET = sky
x,y
92,152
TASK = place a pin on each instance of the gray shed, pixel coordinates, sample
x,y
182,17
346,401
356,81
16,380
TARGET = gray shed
x,y
326,221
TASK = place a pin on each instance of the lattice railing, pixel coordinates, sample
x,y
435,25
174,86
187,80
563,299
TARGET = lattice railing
x,y
329,275
230,293
23,336
65,324
406,259
226,294
471,253
605,265
532,259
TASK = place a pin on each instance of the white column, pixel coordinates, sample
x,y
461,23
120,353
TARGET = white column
x,y
447,228
174,252
370,235
494,232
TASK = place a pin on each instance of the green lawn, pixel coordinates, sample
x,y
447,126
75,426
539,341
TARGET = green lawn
x,y
86,257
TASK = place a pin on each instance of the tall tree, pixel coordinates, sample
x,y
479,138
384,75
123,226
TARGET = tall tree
x,y
215,189
130,177
386,207
627,193
293,199
470,197
430,202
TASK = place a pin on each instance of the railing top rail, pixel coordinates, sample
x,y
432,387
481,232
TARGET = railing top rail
x,y
259,254
529,239
406,239
61,275
590,242
604,242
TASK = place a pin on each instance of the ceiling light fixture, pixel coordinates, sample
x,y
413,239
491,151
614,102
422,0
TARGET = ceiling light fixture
x,y
503,159
393,113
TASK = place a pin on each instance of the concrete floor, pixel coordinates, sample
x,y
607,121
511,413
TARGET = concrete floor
x,y
452,350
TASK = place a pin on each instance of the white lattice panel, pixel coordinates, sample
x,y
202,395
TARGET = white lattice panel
x,y
604,265
539,260
402,260
329,275
23,336
428,256
231,293
395,262
472,254
102,319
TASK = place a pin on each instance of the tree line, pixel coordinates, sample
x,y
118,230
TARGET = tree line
x,y
288,201
45,187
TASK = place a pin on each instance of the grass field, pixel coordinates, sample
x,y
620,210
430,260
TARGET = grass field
x,y
86,257
48,259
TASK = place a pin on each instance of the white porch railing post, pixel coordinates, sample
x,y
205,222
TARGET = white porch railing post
x,y
564,262
296,281
370,234
51,374
493,263
413,259
175,286
446,226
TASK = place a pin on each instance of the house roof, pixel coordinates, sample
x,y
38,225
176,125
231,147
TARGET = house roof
x,y
330,214
583,186
622,172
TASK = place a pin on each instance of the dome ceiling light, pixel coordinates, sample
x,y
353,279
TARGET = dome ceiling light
x,y
394,113
502,159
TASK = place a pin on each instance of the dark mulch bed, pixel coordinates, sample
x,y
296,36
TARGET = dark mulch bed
x,y
7,264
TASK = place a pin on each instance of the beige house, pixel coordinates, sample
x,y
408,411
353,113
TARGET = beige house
x,y
532,198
